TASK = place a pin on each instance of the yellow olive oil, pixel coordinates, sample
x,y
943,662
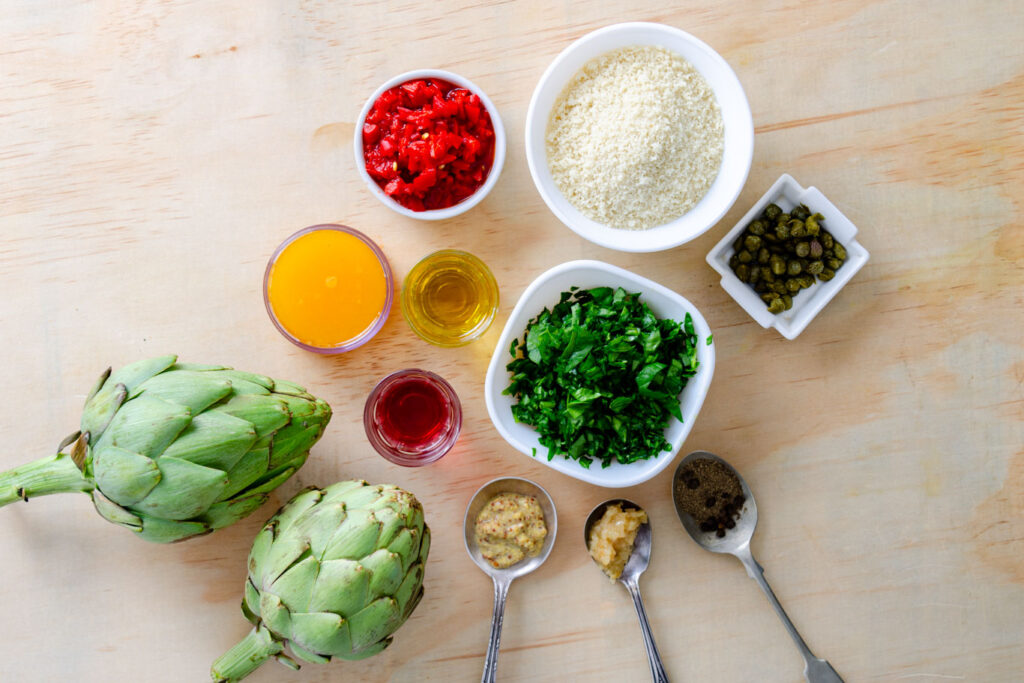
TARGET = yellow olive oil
x,y
450,298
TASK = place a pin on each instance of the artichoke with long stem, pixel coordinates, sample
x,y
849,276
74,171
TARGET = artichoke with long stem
x,y
173,450
333,574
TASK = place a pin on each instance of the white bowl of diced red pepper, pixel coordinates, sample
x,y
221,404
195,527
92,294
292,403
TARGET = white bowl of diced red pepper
x,y
429,144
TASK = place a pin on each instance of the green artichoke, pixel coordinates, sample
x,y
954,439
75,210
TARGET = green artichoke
x,y
173,450
333,574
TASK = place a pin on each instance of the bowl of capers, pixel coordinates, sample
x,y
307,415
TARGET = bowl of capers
x,y
788,256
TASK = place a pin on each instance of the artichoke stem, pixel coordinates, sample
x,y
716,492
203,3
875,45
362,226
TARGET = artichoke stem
x,y
55,474
246,656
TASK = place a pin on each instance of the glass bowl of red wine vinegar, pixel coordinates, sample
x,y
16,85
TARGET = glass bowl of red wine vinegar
x,y
412,417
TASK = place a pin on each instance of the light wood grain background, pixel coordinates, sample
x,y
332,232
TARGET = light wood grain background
x,y
152,155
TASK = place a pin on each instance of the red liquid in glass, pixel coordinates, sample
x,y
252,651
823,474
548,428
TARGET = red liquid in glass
x,y
412,414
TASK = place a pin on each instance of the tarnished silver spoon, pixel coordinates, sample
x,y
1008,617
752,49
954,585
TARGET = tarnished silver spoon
x,y
737,542
635,566
503,577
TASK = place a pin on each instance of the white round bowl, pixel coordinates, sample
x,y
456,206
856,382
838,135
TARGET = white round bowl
x,y
543,292
499,146
736,157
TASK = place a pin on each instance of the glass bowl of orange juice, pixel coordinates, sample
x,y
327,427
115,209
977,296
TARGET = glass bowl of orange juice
x,y
328,288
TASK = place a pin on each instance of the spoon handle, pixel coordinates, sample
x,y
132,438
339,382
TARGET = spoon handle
x,y
491,662
815,670
654,659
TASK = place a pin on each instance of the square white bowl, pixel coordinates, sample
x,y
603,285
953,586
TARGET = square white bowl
x,y
544,292
787,194
732,101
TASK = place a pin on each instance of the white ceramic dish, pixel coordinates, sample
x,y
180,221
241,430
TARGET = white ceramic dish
x,y
499,146
787,193
739,135
543,292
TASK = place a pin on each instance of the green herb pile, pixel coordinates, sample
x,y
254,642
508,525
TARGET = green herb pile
x,y
599,376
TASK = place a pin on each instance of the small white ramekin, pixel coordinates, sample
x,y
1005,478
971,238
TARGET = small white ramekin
x,y
499,146
787,193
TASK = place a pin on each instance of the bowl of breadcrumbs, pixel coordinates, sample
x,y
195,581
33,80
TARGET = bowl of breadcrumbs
x,y
639,137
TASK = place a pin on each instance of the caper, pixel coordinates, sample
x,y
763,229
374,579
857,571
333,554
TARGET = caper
x,y
794,268
800,212
763,255
782,231
840,251
815,267
767,275
757,227
826,239
778,265
761,286
779,286
826,275
788,300
772,211
793,285
743,272
753,243
797,229
816,249
812,225
776,306
783,218
833,263
746,257
734,261
738,243
755,273
770,237
769,297
806,281
802,249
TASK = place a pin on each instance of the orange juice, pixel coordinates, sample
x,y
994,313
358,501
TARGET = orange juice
x,y
327,287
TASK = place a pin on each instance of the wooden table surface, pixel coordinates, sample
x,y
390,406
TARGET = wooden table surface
x,y
153,154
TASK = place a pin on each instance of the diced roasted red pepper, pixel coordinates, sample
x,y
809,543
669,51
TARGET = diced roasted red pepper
x,y
428,144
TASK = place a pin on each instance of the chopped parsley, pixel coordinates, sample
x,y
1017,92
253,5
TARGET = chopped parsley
x,y
599,376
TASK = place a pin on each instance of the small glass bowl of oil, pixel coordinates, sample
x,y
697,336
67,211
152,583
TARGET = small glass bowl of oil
x,y
450,298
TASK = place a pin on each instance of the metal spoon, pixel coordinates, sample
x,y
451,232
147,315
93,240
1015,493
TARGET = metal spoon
x,y
503,577
635,566
737,542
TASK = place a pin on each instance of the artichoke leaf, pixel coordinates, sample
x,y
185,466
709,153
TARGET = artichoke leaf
x,y
249,469
342,587
295,507
284,387
124,477
319,525
406,545
355,538
227,512
275,614
213,439
271,480
282,554
195,390
374,622
340,490
185,490
266,383
292,442
159,530
145,425
409,593
320,632
390,525
267,414
305,655
112,512
386,572
295,585
251,602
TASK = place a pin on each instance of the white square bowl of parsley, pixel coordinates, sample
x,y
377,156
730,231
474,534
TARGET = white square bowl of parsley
x,y
600,373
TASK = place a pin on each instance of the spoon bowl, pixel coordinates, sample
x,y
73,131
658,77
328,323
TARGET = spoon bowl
x,y
735,539
641,555
476,504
